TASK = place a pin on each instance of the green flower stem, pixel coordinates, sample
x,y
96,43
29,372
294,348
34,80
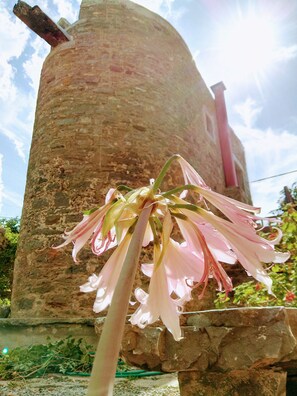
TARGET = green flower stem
x,y
122,187
106,358
162,174
180,189
193,208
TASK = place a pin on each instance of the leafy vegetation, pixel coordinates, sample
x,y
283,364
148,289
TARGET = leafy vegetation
x,y
8,246
67,356
284,276
63,356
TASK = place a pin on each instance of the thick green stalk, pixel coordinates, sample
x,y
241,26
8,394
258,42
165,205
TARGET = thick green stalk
x,y
162,174
180,189
106,358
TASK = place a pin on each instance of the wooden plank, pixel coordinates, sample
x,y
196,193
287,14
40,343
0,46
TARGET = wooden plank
x,y
40,23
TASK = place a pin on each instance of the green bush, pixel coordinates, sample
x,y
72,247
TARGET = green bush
x,y
7,255
63,356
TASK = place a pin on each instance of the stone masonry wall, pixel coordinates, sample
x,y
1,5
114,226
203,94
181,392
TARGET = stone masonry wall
x,y
114,103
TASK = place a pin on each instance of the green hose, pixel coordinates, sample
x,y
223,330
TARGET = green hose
x,y
137,373
122,374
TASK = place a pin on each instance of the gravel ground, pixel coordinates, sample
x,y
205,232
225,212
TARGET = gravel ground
x,y
56,385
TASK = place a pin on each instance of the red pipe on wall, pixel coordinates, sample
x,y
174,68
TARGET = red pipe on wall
x,y
224,135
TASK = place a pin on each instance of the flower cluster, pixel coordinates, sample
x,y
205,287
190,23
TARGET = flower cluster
x,y
177,268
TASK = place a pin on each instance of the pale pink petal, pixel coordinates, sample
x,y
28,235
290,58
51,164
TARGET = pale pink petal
x,y
277,239
219,246
190,174
147,269
148,236
158,303
79,244
234,210
182,265
141,295
280,257
253,267
108,277
110,195
92,284
100,244
249,248
169,311
84,230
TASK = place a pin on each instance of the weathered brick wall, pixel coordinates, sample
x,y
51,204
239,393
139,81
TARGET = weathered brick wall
x,y
114,103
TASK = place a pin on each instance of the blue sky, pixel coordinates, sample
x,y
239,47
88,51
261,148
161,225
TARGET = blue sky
x,y
250,45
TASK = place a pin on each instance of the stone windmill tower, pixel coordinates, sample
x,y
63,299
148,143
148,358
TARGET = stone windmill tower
x,y
119,93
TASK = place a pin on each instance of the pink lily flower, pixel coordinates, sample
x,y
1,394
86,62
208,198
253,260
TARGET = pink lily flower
x,y
190,176
250,249
115,216
158,304
236,211
106,282
213,248
90,226
182,269
209,241
134,219
218,245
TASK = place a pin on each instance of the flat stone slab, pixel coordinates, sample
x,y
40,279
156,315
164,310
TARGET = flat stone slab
x,y
22,332
217,341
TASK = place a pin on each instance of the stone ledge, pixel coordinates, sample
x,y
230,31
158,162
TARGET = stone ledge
x,y
32,322
217,341
22,332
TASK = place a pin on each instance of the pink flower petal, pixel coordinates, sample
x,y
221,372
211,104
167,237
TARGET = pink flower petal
x,y
157,304
106,282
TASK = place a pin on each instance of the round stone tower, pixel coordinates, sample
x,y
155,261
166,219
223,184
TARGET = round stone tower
x,y
115,101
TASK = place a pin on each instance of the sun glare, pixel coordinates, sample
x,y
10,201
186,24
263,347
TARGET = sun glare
x,y
248,46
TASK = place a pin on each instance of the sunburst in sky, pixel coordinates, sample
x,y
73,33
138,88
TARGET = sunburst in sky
x,y
248,46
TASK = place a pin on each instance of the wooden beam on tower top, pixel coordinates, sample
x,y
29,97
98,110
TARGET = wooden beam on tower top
x,y
40,23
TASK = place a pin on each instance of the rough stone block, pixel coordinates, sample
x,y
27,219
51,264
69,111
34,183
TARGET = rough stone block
x,y
218,340
234,383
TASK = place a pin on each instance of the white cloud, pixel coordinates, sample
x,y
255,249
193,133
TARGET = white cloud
x,y
5,195
268,152
14,105
266,194
33,65
7,88
17,115
14,198
285,54
14,36
248,111
16,140
66,9
42,4
162,7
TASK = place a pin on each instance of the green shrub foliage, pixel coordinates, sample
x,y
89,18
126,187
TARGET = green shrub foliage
x,y
7,255
63,356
